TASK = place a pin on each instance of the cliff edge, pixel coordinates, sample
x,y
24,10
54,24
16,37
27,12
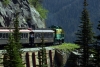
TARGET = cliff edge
x,y
28,15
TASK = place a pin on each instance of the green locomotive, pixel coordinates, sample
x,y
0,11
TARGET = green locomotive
x,y
59,34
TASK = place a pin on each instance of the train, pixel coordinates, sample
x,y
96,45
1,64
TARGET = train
x,y
59,34
32,37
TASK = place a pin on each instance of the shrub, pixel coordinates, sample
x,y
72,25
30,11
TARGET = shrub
x,y
6,2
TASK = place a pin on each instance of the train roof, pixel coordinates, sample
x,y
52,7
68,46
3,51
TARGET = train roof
x,y
42,31
10,30
26,30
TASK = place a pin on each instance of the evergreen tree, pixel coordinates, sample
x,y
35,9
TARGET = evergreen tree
x,y
96,54
42,55
85,35
98,26
16,33
13,51
97,49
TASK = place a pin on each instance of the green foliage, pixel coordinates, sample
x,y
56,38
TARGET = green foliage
x,y
16,32
43,12
9,49
6,2
33,2
14,59
85,35
42,55
96,49
67,47
42,58
39,8
98,26
13,51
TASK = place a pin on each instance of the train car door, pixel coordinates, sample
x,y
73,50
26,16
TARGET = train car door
x,y
31,38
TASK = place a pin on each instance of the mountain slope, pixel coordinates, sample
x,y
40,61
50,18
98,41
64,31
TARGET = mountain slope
x,y
67,13
28,15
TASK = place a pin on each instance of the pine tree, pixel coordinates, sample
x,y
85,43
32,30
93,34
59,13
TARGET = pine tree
x,y
13,51
97,49
85,35
96,54
98,37
42,55
98,26
16,32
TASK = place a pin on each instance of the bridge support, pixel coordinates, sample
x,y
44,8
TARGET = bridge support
x,y
30,58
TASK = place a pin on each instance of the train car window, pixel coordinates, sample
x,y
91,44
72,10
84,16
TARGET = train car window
x,y
45,35
0,35
21,35
37,35
9,34
50,35
3,35
6,35
26,35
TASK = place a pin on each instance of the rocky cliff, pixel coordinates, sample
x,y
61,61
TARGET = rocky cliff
x,y
28,16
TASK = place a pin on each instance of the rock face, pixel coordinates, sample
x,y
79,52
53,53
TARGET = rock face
x,y
28,16
61,58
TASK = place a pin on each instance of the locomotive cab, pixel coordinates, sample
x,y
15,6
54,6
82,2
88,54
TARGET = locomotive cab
x,y
59,34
